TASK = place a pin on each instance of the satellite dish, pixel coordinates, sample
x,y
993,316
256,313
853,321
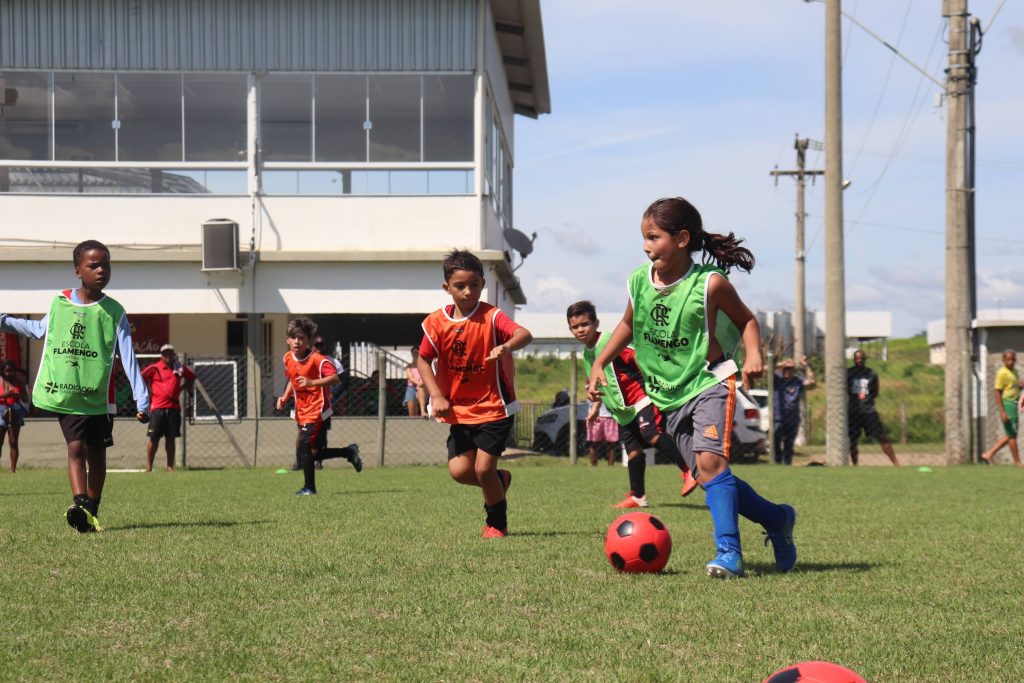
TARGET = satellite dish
x,y
520,242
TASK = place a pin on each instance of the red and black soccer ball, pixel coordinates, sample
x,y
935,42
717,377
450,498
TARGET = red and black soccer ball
x,y
638,543
814,672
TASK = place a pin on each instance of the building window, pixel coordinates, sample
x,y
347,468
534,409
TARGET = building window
x,y
448,118
286,118
149,111
395,118
215,119
25,115
84,117
340,115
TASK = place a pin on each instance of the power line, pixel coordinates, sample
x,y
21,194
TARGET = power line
x,y
881,95
998,9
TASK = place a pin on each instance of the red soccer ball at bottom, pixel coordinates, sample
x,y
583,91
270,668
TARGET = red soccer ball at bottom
x,y
814,672
638,543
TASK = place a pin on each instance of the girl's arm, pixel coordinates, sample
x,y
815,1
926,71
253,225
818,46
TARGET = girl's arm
x,y
438,401
620,338
722,296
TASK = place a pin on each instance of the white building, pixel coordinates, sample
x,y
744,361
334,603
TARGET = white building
x,y
353,142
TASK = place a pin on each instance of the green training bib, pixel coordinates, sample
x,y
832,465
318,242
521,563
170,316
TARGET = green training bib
x,y
78,356
611,393
670,335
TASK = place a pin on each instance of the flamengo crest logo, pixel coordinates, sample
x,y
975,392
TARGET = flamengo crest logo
x,y
659,314
78,331
459,348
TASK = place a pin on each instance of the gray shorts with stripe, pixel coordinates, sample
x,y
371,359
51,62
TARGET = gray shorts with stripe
x,y
704,424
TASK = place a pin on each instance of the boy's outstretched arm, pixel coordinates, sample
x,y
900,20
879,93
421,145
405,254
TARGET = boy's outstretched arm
x,y
620,338
33,329
723,296
126,350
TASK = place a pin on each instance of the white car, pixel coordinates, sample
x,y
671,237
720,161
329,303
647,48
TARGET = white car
x,y
761,396
750,438
551,430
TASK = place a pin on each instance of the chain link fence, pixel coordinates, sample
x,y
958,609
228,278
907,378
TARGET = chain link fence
x,y
230,421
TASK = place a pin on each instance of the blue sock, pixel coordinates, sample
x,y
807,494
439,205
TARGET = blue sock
x,y
757,509
722,501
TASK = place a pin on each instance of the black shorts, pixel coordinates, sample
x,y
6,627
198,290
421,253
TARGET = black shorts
x,y
94,430
638,434
164,422
489,437
869,422
312,435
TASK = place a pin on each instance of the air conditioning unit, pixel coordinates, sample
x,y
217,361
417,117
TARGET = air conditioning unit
x,y
220,244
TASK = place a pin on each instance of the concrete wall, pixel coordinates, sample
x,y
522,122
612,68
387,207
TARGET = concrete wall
x,y
410,441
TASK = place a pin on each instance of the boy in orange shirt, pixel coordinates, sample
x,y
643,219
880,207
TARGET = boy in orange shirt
x,y
472,343
310,376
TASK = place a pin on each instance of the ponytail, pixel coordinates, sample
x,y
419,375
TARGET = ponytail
x,y
726,252
675,214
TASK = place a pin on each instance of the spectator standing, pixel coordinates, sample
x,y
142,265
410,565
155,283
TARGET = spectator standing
x,y
415,392
789,389
13,408
862,385
1008,395
165,378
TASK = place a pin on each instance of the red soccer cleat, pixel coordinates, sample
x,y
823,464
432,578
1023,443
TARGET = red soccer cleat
x,y
492,532
689,484
631,501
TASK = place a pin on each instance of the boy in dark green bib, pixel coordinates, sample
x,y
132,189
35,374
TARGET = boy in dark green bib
x,y
685,320
83,331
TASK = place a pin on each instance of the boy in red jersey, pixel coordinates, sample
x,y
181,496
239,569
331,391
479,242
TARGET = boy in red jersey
x,y
472,342
310,376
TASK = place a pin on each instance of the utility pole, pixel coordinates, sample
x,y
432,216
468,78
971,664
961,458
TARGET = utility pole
x,y
959,283
837,447
799,304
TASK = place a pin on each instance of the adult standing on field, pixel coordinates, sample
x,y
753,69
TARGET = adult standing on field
x,y
789,389
165,378
1008,397
13,407
862,384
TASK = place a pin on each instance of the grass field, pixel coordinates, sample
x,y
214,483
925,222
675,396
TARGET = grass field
x,y
903,576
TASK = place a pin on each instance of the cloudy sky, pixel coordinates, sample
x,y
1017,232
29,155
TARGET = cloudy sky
x,y
659,98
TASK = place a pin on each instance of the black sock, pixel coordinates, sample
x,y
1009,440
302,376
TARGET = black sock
x,y
82,500
637,467
497,515
333,453
308,468
667,445
94,506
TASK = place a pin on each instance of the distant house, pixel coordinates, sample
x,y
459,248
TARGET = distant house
x,y
551,336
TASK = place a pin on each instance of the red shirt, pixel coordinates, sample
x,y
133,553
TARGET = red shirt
x,y
312,404
165,384
479,391
627,373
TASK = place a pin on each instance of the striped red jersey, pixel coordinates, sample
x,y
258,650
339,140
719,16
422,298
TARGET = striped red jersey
x,y
631,382
479,391
312,404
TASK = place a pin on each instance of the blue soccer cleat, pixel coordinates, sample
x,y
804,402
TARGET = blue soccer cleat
x,y
305,492
782,541
728,564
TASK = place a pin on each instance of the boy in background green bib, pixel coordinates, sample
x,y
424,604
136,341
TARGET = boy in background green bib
x,y
83,331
